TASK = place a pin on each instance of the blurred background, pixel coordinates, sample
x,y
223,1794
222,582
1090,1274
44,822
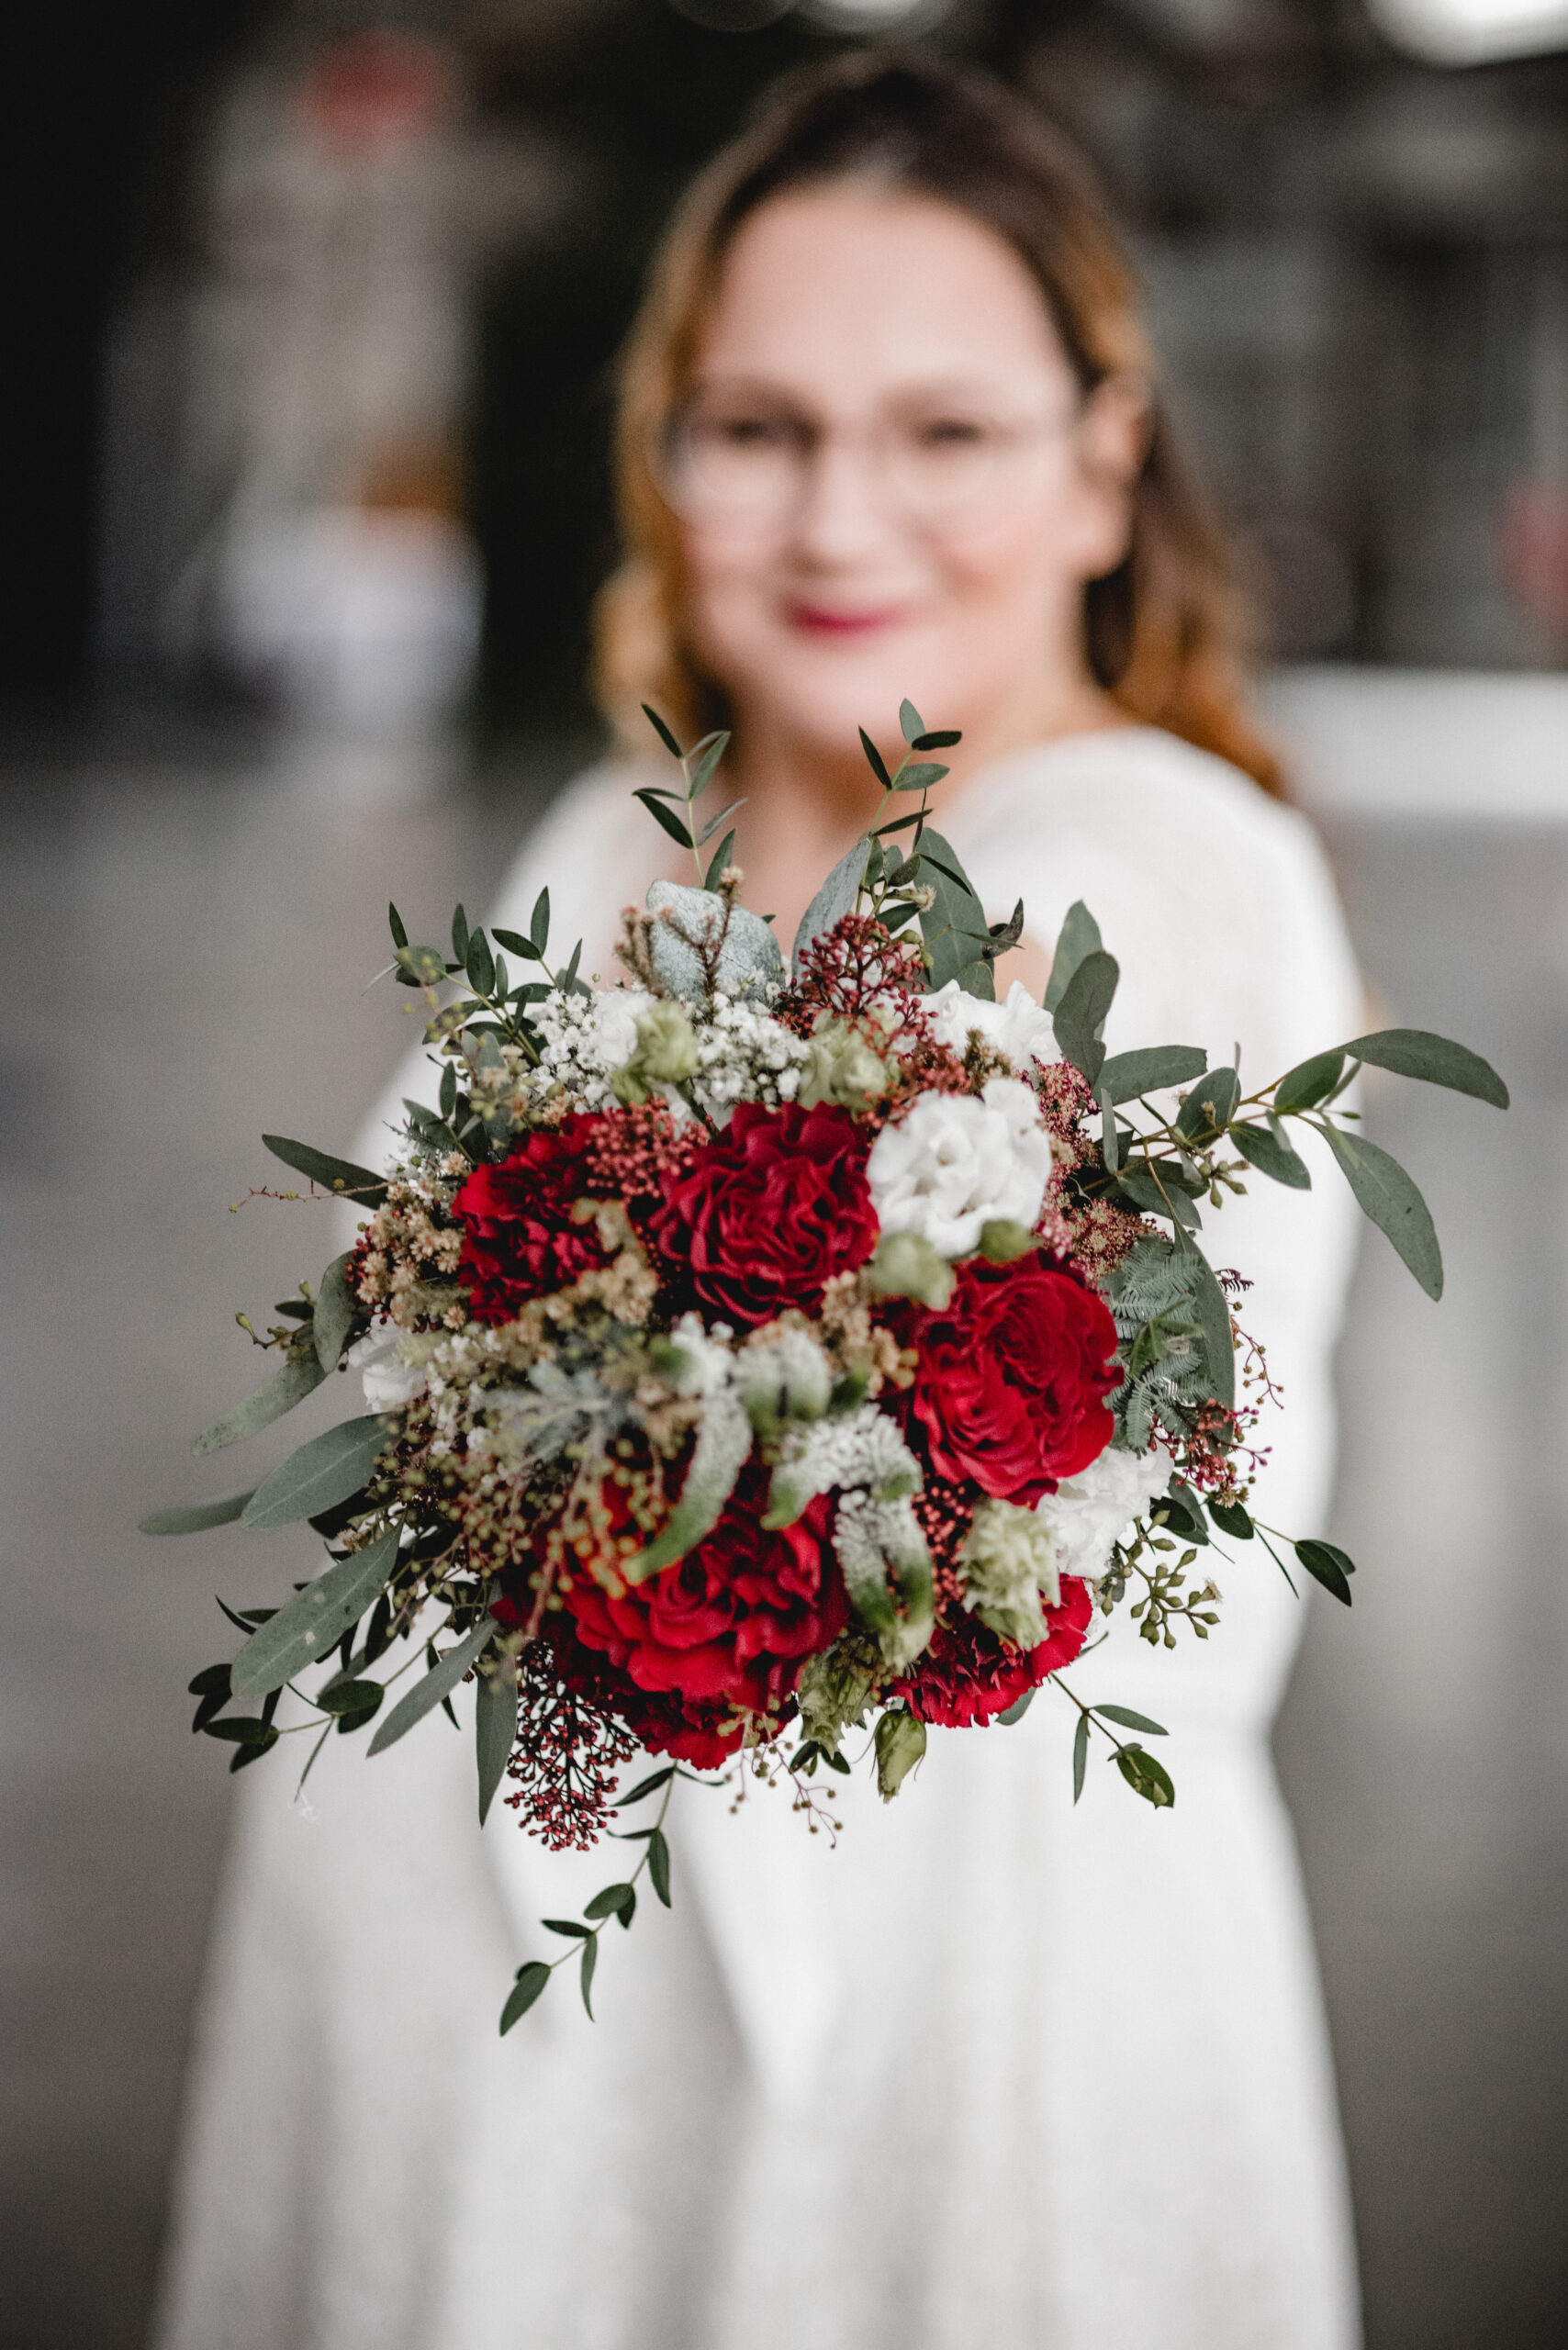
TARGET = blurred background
x,y
311,305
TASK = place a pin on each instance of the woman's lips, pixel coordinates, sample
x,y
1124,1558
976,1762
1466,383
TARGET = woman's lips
x,y
840,622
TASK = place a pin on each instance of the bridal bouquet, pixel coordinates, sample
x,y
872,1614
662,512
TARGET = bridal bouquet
x,y
753,1357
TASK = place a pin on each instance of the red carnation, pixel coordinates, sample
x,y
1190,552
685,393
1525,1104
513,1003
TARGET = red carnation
x,y
967,1674
768,1211
703,1734
521,1242
732,1624
1012,1376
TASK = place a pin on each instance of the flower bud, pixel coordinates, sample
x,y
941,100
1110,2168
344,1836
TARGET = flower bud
x,y
841,1068
906,1265
666,1054
900,1744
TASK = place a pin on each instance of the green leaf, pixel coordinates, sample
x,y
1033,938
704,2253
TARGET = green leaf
x,y
942,738
658,1865
648,1787
310,1624
254,1749
909,722
1272,1155
1017,1710
712,826
1309,1082
326,1470
1082,1008
954,928
337,1309
661,730
1210,1107
722,856
539,923
353,1702
610,1902
331,1174
1327,1566
1212,1315
531,1981
299,1375
922,776
1080,936
591,1960
1080,1755
1180,1514
480,963
495,1730
702,773
1125,1717
394,921
570,1926
1162,1195
1436,1061
834,900
518,943
875,757
666,817
1232,1519
428,1693
195,1518
1146,1776
1389,1197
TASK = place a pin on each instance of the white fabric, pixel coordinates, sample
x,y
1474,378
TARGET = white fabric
x,y
995,2072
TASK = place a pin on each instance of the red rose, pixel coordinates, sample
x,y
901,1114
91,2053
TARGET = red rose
x,y
521,1242
768,1211
968,1675
1012,1379
735,1620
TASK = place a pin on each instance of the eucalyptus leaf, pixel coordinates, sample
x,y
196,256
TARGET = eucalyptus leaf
x,y
664,818
722,856
1211,1313
835,899
331,1174
1210,1107
1328,1565
1387,1195
1436,1061
1232,1519
661,730
1125,1718
609,1903
878,767
1080,1012
298,1376
591,1960
1017,1710
427,1694
955,926
1080,1755
336,1310
1125,1076
495,1730
531,1981
658,1865
1146,1776
1272,1155
195,1518
1158,1194
322,1472
708,756
1080,936
644,1787
1309,1082
922,776
308,1626
911,722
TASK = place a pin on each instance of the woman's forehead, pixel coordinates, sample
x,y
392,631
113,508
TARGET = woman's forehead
x,y
821,285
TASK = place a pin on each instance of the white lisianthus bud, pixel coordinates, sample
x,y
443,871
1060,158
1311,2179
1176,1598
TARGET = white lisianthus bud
x,y
389,1383
841,1067
954,1165
664,1053
1009,1565
1016,1026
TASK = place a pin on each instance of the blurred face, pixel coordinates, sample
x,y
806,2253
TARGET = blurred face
x,y
887,477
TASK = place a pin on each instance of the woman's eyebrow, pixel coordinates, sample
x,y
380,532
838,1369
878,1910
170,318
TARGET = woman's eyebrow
x,y
958,388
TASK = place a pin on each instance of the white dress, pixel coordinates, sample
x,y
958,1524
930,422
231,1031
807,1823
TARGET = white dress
x,y
995,2071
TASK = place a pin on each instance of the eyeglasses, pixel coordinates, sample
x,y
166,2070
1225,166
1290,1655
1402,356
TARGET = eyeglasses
x,y
753,467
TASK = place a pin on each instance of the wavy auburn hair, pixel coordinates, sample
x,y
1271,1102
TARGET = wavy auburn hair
x,y
1165,631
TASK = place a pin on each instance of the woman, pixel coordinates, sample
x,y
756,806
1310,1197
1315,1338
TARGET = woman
x,y
997,2070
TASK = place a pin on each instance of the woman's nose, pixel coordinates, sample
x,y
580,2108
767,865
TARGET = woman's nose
x,y
840,517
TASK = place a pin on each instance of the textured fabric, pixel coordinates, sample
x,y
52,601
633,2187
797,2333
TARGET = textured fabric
x,y
995,2071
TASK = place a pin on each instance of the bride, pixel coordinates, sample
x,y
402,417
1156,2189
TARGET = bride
x,y
995,2071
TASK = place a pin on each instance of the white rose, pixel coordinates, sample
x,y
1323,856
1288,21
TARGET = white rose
x,y
1086,1513
954,1165
1016,1026
610,1034
389,1383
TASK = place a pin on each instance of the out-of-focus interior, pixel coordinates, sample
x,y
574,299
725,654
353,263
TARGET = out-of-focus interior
x,y
314,310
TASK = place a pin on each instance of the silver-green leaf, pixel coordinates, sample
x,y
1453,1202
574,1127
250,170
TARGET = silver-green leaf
x,y
314,1620
495,1730
1387,1195
439,1683
195,1518
1436,1061
321,1474
335,1310
289,1385
834,900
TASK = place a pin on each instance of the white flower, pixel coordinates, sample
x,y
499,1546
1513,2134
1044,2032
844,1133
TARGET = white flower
x,y
1086,1513
1009,1563
954,1165
1017,1026
389,1383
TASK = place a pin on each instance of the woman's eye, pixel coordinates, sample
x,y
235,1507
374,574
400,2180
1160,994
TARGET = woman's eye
x,y
752,432
951,433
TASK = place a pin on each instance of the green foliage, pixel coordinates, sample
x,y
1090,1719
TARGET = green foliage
x,y
299,1375
1210,1107
495,1728
1309,1082
1233,1519
1082,1010
331,1174
1328,1565
955,930
443,1677
195,1518
1125,1718
1144,1775
531,1981
337,1310
306,1628
1389,1197
835,899
1266,1149
326,1470
1435,1060
1125,1076
1080,936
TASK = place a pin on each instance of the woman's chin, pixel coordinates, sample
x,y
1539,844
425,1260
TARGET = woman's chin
x,y
821,693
